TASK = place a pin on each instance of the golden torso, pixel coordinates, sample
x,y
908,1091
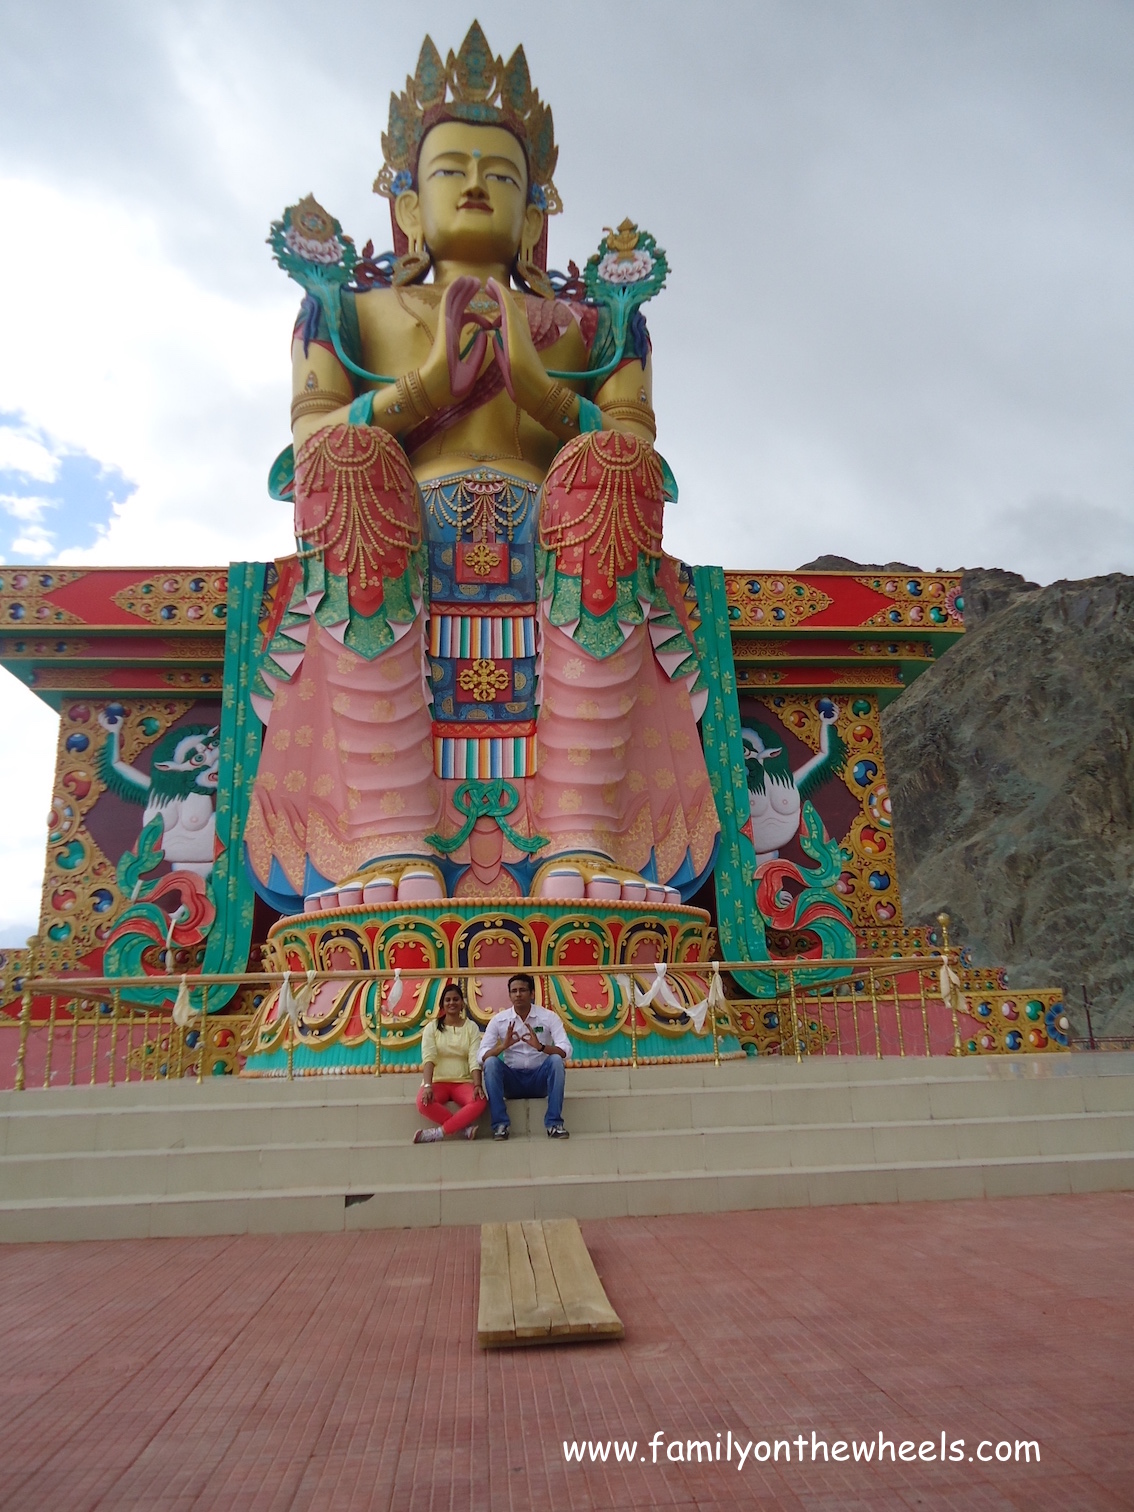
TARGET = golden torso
x,y
397,326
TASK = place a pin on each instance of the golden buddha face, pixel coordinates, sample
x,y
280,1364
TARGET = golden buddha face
x,y
471,201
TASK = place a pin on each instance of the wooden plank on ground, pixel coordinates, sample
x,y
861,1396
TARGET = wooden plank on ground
x,y
538,1285
547,1293
495,1322
532,1321
588,1310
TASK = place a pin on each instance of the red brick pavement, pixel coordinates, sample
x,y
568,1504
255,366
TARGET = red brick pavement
x,y
341,1371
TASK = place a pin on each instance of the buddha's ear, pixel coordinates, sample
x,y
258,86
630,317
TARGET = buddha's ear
x,y
533,230
407,213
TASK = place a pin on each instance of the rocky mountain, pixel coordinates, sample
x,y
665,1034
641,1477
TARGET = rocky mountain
x,y
1011,768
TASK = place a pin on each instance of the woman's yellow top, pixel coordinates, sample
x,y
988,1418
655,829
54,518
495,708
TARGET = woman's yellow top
x,y
451,1052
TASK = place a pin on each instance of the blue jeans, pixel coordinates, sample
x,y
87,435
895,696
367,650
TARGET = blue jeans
x,y
501,1081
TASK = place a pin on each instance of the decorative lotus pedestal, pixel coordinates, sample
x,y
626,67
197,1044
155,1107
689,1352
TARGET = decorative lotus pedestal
x,y
629,1011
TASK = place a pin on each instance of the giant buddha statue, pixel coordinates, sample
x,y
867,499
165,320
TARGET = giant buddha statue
x,y
480,676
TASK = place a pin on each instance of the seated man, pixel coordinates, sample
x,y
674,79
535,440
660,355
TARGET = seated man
x,y
523,1053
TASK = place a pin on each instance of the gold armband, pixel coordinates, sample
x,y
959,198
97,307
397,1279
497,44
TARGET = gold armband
x,y
410,396
630,409
316,402
556,407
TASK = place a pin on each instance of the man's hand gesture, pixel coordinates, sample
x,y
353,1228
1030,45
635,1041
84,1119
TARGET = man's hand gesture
x,y
510,1038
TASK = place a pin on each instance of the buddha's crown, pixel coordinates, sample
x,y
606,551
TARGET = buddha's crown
x,y
470,86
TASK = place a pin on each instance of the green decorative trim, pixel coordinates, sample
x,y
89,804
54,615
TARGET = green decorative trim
x,y
739,924
281,475
361,409
401,1059
590,417
669,482
231,932
133,865
486,800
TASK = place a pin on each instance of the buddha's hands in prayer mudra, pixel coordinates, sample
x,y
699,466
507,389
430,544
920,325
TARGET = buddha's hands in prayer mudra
x,y
469,339
525,376
464,363
456,360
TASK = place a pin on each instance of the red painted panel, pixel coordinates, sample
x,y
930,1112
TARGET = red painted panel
x,y
91,597
852,602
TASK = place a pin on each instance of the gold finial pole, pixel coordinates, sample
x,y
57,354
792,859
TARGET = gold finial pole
x,y
26,1013
713,1011
795,1022
632,1010
204,1044
943,920
289,1039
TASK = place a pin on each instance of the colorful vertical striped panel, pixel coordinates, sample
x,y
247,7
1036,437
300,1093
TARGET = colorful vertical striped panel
x,y
462,758
465,636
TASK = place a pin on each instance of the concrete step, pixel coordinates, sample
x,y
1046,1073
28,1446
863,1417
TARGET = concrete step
x,y
594,1196
238,1157
349,1166
223,1113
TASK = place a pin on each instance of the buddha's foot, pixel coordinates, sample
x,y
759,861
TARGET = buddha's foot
x,y
587,875
401,879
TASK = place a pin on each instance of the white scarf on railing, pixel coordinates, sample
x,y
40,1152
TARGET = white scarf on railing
x,y
183,1014
296,1001
714,1000
951,994
175,918
395,991
659,989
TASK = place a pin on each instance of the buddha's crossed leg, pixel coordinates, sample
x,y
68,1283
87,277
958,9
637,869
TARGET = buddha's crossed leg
x,y
621,775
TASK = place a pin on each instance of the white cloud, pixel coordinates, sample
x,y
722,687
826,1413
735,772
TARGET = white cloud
x,y
33,542
25,506
182,389
23,452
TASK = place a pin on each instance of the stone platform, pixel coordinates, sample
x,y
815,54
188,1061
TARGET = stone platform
x,y
612,1017
231,1156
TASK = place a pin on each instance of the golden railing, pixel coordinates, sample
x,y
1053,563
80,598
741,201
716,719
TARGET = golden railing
x,y
93,1034
100,1040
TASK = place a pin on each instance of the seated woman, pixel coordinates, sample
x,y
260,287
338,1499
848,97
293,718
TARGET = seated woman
x,y
450,1071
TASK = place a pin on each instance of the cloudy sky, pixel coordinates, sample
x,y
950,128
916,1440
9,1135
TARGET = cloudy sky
x,y
900,320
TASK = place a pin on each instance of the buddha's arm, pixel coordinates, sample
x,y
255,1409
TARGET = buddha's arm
x,y
626,400
323,396
323,392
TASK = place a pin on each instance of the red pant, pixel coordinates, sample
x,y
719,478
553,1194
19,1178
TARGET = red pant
x,y
471,1106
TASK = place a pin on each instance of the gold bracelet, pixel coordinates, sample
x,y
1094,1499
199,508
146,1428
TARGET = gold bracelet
x,y
410,395
555,408
318,402
630,409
